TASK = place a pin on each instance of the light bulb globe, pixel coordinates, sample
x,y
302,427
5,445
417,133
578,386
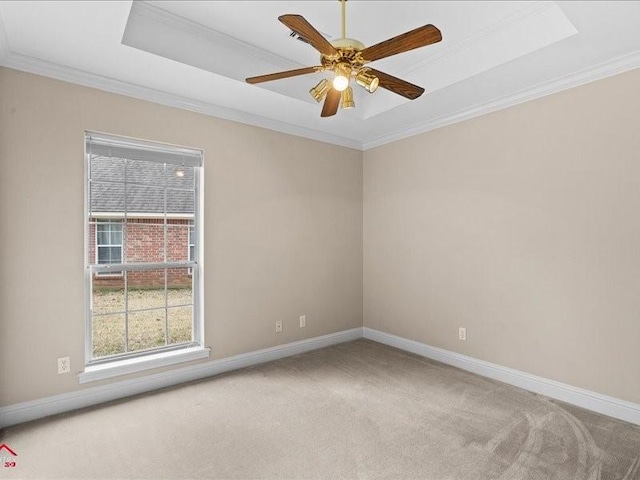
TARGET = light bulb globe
x,y
340,83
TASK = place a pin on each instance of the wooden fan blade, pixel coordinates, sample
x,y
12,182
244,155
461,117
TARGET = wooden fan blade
x,y
298,24
279,75
420,37
397,85
331,103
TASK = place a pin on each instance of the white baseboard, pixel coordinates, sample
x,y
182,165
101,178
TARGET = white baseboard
x,y
44,407
613,407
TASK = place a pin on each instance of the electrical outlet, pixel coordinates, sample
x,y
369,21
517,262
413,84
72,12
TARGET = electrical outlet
x,y
279,326
462,334
64,365
303,321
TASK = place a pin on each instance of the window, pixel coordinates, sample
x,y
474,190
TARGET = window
x,y
143,219
109,243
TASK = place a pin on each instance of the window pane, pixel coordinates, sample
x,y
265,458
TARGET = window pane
x,y
108,294
179,287
108,332
180,177
180,202
146,329
106,198
107,168
115,236
177,243
146,289
109,254
143,200
104,255
149,173
145,241
179,322
103,236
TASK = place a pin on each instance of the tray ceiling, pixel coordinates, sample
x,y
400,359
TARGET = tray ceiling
x,y
219,37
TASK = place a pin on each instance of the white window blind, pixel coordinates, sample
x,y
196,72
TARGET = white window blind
x,y
118,147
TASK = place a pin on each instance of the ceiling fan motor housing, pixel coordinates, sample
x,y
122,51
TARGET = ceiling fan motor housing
x,y
347,43
348,56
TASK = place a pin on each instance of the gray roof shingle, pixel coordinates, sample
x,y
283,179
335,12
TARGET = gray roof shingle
x,y
146,183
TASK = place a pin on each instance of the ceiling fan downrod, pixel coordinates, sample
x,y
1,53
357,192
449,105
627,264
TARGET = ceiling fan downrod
x,y
344,18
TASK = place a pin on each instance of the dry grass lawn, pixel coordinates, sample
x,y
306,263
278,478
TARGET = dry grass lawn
x,y
146,328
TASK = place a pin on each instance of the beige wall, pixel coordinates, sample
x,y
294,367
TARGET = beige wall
x,y
282,216
522,226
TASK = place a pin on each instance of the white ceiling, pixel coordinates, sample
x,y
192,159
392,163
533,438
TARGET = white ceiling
x,y
195,55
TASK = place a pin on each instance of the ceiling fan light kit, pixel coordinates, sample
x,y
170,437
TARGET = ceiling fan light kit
x,y
320,90
343,74
367,81
346,99
345,58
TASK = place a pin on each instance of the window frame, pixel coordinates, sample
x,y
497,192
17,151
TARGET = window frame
x,y
166,354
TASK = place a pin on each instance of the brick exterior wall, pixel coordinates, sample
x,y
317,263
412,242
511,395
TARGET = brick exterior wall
x,y
145,243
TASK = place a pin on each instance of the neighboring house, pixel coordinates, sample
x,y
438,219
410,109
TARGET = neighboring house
x,y
141,237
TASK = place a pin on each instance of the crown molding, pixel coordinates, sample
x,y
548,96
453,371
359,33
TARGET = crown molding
x,y
621,64
68,74
600,71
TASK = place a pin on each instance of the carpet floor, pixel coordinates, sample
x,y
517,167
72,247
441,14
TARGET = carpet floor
x,y
356,410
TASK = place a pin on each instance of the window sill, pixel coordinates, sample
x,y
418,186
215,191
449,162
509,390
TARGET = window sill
x,y
139,364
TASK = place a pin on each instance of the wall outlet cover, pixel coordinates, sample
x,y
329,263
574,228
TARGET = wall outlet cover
x,y
64,365
462,333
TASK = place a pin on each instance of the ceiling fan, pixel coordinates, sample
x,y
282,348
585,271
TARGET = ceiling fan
x,y
347,58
